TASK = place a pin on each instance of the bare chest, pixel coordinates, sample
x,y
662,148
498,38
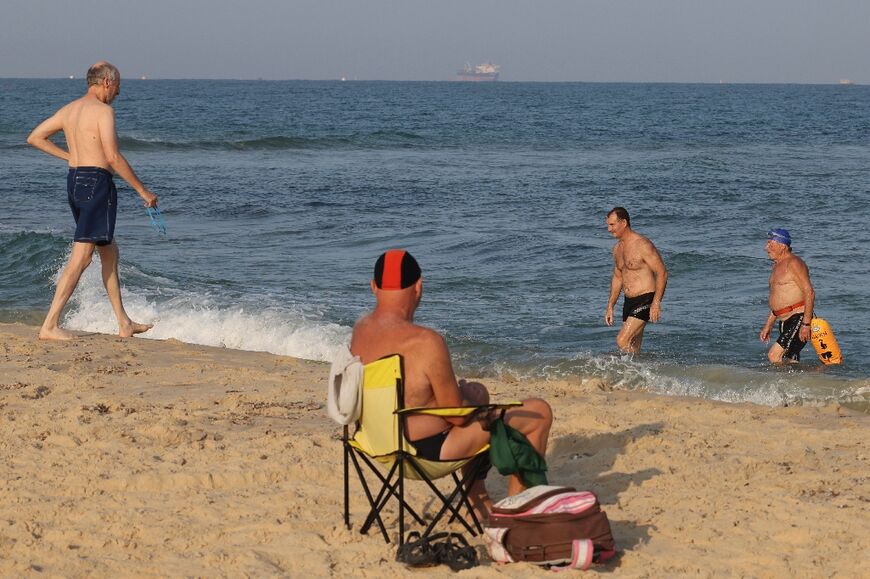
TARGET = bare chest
x,y
780,276
628,258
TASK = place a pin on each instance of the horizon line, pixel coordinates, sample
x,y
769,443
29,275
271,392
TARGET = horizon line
x,y
144,78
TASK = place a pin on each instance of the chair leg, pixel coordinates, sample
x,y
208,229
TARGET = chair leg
x,y
392,489
475,468
374,512
347,451
446,504
401,462
466,483
387,489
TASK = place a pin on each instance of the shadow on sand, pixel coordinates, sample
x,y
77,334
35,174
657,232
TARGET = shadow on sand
x,y
586,463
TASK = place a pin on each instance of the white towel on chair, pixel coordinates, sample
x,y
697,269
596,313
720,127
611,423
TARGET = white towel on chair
x,y
344,395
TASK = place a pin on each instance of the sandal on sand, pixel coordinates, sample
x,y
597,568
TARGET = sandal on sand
x,y
456,553
450,549
416,551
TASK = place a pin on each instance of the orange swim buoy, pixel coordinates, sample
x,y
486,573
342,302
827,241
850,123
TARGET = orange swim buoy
x,y
822,337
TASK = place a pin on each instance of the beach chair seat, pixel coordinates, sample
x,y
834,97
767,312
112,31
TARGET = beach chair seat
x,y
379,443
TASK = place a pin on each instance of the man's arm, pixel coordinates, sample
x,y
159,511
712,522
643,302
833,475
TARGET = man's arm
x,y
802,277
764,335
39,137
615,288
653,259
439,371
109,140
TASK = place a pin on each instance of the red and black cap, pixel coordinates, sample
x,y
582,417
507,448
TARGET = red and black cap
x,y
396,269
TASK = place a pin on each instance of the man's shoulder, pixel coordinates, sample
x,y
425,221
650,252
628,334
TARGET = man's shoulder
x,y
92,106
84,108
68,107
794,261
102,109
646,241
425,335
639,242
412,335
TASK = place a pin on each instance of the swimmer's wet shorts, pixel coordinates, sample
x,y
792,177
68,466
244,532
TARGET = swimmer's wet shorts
x,y
637,307
789,337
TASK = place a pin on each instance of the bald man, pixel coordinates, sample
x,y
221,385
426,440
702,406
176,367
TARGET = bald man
x,y
88,124
429,379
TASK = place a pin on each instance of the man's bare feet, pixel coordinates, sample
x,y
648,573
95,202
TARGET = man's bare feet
x,y
134,328
55,333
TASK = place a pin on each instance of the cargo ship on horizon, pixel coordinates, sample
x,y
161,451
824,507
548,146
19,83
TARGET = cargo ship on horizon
x,y
486,72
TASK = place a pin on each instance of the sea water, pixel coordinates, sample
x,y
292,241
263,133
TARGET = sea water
x,y
279,196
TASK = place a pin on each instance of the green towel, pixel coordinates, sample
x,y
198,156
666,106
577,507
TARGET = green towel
x,y
511,453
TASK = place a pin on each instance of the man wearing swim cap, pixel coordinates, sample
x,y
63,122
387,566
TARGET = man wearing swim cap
x,y
640,274
429,379
791,300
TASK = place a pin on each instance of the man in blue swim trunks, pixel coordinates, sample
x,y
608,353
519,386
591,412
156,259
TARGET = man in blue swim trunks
x,y
791,300
639,273
88,123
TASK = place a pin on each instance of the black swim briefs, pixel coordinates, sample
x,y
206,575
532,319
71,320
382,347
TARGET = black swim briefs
x,y
637,307
789,337
93,200
430,447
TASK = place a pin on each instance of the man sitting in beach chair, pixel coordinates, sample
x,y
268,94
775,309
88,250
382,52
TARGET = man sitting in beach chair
x,y
428,381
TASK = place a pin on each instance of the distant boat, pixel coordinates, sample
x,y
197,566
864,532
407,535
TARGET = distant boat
x,y
846,81
486,72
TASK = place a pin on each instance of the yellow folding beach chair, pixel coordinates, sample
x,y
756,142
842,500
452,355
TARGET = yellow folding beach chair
x,y
379,438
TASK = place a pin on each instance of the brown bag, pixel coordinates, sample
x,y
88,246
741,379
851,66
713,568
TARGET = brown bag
x,y
550,525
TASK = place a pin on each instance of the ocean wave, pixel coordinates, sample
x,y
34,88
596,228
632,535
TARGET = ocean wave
x,y
286,331
373,140
28,261
198,316
199,320
764,386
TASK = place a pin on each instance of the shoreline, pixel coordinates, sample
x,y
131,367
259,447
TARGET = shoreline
x,y
132,457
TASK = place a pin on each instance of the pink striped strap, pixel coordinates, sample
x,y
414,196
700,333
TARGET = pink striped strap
x,y
581,556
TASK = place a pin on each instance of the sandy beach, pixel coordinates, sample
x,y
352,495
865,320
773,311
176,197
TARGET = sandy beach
x,y
156,458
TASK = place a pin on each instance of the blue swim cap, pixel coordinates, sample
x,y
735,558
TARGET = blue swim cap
x,y
780,236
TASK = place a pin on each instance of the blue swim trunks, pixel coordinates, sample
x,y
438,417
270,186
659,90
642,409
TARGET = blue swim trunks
x,y
94,202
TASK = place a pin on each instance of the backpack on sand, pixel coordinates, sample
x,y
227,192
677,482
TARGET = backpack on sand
x,y
550,525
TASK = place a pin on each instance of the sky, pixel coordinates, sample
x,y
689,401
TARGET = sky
x,y
747,41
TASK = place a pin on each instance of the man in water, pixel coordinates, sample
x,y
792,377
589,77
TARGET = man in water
x,y
88,124
640,274
791,300
429,378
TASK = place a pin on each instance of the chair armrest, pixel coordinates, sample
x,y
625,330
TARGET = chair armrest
x,y
456,411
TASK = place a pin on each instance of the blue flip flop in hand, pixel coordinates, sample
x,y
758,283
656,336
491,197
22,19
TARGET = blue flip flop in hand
x,y
156,219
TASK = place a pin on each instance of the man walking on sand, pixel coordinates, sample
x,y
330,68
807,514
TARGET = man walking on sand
x,y
791,300
429,379
641,274
88,124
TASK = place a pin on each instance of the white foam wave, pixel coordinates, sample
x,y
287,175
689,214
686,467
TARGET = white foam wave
x,y
287,330
776,387
197,320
